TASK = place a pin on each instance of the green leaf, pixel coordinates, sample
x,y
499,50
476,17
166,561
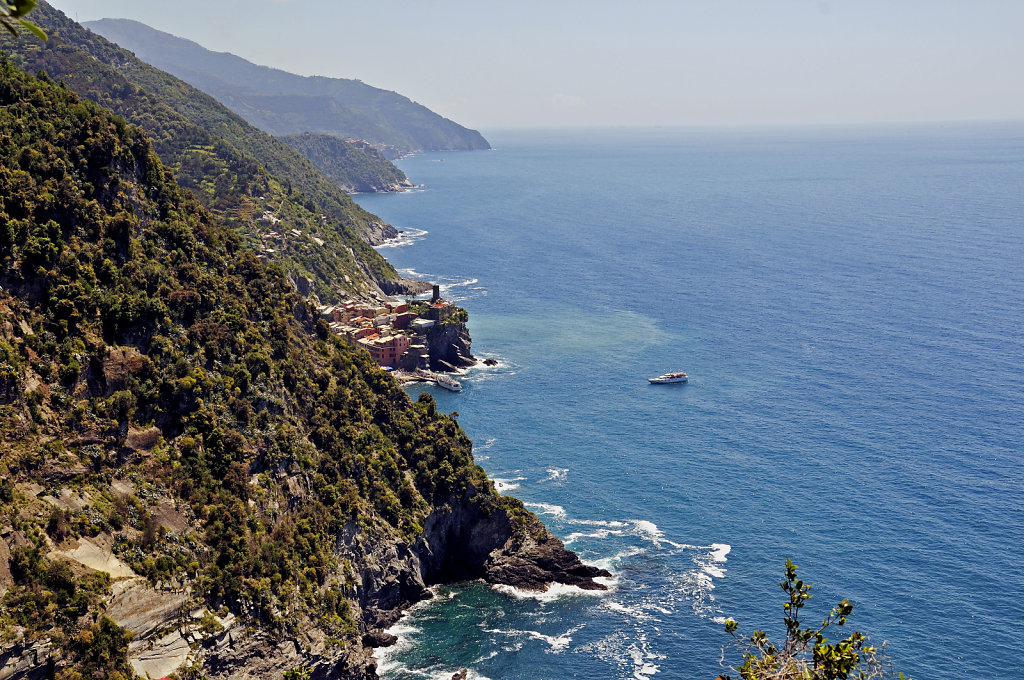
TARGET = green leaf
x,y
35,30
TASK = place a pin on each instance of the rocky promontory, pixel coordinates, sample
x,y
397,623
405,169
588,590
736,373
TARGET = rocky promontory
x,y
449,345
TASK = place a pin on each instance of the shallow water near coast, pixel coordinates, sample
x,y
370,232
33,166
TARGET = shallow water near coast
x,y
848,304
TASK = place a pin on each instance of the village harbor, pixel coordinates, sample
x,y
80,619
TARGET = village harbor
x,y
417,340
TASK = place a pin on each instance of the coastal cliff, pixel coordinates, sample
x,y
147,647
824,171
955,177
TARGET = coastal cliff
x,y
284,103
196,475
448,345
354,165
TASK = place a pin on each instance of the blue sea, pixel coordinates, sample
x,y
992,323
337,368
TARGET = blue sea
x,y
849,305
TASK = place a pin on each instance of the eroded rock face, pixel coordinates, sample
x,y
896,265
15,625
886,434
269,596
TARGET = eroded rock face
x,y
501,543
473,536
377,232
28,662
242,653
449,346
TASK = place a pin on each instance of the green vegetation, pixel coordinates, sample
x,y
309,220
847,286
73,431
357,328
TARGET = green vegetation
x,y
352,165
255,183
128,308
12,15
806,653
284,103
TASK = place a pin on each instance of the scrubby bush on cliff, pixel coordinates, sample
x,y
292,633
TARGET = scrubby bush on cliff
x,y
806,654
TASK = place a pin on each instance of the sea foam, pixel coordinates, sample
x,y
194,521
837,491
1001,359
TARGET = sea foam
x,y
553,592
406,237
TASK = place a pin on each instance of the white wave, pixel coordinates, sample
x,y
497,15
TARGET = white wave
x,y
547,509
714,571
609,562
486,445
650,532
386,656
647,669
481,372
648,529
716,557
597,523
453,288
556,475
411,273
636,611
503,486
557,643
437,674
405,237
459,284
407,635
720,550
506,485
449,286
600,533
549,594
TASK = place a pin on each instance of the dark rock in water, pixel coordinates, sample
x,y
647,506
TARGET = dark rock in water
x,y
379,638
498,540
490,361
461,675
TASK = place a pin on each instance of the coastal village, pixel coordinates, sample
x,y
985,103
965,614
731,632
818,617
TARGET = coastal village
x,y
415,339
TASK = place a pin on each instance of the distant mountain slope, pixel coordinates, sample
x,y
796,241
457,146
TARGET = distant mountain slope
x,y
262,187
353,165
283,103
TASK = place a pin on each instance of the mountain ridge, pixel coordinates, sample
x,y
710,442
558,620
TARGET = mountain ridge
x,y
255,181
284,103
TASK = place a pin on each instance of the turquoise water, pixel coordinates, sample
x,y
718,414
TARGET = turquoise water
x,y
849,306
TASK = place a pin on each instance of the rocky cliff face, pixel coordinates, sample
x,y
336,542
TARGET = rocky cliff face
x,y
449,347
377,232
473,536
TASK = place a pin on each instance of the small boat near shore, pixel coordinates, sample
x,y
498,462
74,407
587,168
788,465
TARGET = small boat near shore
x,y
448,383
667,378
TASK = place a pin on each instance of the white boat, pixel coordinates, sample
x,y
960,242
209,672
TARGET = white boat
x,y
677,377
448,383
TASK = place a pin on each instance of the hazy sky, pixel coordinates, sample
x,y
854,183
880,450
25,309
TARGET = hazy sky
x,y
644,62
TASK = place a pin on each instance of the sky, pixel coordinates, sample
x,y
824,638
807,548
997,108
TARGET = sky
x,y
597,63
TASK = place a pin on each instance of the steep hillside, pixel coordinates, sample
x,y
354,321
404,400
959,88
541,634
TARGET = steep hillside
x,y
353,165
196,475
283,103
280,204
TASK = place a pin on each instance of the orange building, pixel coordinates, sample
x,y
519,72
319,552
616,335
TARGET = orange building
x,y
388,350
